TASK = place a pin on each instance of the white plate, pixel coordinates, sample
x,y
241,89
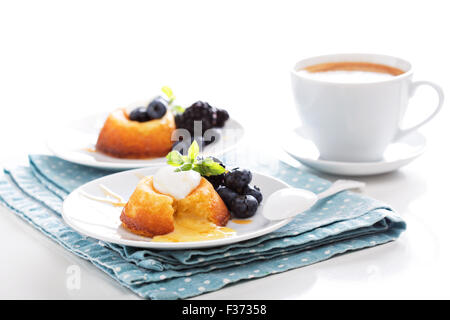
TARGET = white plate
x,y
396,155
75,141
102,220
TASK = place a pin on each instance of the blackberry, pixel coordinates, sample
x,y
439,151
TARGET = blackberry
x,y
199,111
179,120
222,117
216,180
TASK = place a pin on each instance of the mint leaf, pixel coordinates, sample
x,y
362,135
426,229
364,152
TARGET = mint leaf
x,y
169,93
174,158
178,109
199,169
206,166
193,151
214,169
171,98
184,167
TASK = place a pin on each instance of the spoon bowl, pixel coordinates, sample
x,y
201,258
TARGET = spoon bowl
x,y
286,203
289,202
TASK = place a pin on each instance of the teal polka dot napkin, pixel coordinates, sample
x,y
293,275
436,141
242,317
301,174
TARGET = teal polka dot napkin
x,y
339,224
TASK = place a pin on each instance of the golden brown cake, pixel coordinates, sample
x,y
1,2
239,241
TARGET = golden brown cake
x,y
151,213
122,138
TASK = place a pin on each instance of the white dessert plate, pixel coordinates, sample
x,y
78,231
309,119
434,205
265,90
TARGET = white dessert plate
x,y
101,220
396,155
75,142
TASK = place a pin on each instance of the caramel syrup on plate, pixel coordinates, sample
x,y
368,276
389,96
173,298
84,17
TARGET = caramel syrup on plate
x,y
188,228
92,150
117,200
239,221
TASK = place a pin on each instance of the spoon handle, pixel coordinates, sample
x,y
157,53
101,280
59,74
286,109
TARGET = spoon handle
x,y
340,185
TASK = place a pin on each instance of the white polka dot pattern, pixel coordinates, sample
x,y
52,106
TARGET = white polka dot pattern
x,y
310,238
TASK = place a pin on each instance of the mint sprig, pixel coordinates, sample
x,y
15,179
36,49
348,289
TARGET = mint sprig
x,y
169,93
193,151
204,166
171,98
178,109
175,159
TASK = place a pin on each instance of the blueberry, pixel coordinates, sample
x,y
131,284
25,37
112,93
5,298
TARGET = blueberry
x,y
237,179
253,191
157,108
244,206
227,195
139,114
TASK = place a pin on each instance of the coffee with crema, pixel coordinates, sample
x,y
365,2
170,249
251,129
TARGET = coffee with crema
x,y
356,112
350,72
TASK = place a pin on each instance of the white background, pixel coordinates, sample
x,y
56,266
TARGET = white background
x,y
61,60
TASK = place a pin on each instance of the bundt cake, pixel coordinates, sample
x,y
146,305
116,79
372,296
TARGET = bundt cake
x,y
200,215
123,138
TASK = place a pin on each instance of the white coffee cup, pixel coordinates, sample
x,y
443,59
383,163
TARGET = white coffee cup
x,y
356,121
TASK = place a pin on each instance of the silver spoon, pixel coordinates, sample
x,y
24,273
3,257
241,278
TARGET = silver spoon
x,y
289,202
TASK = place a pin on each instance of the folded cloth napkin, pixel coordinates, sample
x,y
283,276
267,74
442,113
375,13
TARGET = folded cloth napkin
x,y
342,223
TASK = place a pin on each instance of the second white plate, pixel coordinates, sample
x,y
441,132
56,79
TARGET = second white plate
x,y
101,220
75,142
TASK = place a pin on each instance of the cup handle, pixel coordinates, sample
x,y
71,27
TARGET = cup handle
x,y
403,132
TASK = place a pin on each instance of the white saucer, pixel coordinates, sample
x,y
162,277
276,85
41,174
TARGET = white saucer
x,y
101,220
75,142
396,155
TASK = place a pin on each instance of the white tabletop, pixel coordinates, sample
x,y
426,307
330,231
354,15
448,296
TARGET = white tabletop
x,y
67,62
